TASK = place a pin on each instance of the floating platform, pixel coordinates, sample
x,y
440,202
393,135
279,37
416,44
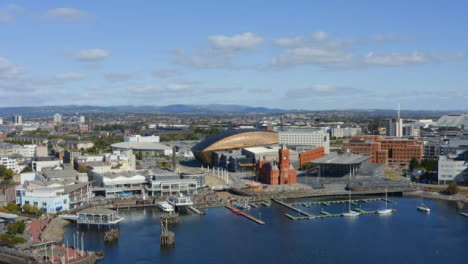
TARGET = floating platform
x,y
246,215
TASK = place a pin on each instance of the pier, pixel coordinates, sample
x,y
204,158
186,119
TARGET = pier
x,y
195,210
323,213
246,215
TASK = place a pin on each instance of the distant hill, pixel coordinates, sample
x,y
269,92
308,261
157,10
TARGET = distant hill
x,y
211,109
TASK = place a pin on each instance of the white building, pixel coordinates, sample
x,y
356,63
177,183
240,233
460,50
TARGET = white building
x,y
146,148
450,168
57,118
394,127
303,137
53,197
411,130
1,120
10,163
18,120
138,138
344,132
82,119
41,164
119,184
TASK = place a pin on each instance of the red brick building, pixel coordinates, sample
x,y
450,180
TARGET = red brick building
x,y
394,152
277,172
311,155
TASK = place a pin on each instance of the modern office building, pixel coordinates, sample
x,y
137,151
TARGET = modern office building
x,y
394,127
18,120
452,168
394,152
305,137
344,132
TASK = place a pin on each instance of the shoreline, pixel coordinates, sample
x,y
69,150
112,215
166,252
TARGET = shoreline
x,y
438,196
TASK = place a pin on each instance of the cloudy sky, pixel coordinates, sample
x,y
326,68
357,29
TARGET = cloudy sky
x,y
282,54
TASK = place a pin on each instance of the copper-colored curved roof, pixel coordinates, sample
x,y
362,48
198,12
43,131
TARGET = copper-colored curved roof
x,y
233,139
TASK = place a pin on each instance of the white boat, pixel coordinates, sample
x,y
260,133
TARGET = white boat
x,y
166,207
422,207
385,210
350,212
180,200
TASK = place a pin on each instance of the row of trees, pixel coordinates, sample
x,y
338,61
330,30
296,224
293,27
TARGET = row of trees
x,y
425,164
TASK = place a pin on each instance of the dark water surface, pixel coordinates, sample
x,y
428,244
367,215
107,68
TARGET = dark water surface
x,y
406,236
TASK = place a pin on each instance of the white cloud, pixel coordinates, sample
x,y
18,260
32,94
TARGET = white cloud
x,y
245,40
398,59
70,76
9,12
9,70
220,52
67,14
328,52
118,76
325,90
164,73
91,54
171,89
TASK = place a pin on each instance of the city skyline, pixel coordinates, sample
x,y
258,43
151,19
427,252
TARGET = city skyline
x,y
305,55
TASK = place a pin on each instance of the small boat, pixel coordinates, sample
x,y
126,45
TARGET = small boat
x,y
350,212
242,206
424,208
385,210
166,207
236,212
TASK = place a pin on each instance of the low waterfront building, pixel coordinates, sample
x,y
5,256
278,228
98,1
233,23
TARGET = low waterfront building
x,y
166,183
121,184
336,165
98,216
453,167
53,196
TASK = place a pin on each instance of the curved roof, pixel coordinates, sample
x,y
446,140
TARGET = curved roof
x,y
460,120
233,139
216,138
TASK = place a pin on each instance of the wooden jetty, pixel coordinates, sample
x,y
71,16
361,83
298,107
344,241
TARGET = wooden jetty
x,y
195,210
246,215
170,218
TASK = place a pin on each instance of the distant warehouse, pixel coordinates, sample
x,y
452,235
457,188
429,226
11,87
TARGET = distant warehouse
x,y
149,148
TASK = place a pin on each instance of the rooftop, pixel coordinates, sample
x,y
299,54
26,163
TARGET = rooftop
x,y
97,210
342,159
141,146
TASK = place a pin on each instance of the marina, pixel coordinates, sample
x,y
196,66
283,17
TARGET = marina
x,y
142,229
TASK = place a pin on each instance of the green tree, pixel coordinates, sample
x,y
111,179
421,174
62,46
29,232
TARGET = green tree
x,y
27,169
16,228
414,163
452,188
6,177
429,164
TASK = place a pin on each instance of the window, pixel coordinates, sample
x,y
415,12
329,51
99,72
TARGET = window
x,y
65,201
44,204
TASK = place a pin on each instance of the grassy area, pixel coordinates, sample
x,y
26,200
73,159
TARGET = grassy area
x,y
211,181
11,240
393,175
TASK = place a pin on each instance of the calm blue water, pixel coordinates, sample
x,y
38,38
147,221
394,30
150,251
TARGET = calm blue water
x,y
221,237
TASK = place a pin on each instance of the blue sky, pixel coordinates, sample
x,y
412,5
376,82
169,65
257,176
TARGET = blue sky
x,y
282,54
